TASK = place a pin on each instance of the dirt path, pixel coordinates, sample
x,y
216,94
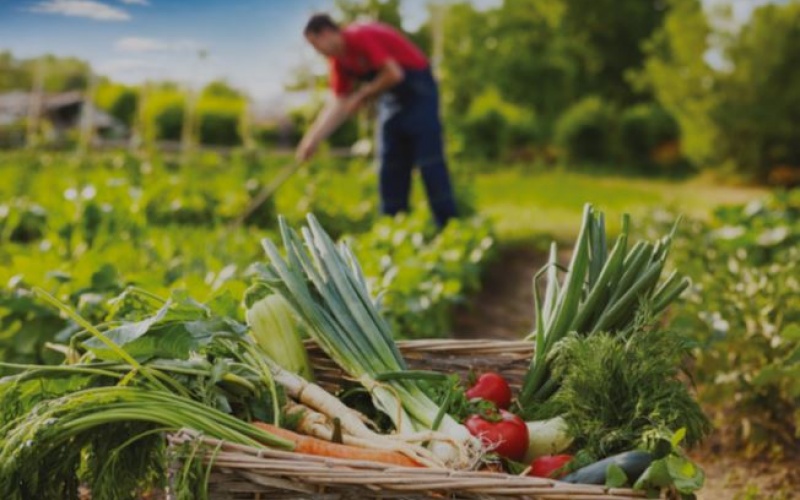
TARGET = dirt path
x,y
736,478
504,310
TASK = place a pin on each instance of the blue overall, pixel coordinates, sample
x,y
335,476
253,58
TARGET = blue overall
x,y
410,133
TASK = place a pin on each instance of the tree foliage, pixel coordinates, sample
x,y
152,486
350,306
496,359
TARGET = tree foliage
x,y
385,11
586,131
665,71
759,98
545,55
57,74
679,77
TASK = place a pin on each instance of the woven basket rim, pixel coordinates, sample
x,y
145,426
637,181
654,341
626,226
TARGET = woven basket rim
x,y
300,472
294,472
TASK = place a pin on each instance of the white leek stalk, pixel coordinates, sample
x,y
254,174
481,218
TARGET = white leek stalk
x,y
325,286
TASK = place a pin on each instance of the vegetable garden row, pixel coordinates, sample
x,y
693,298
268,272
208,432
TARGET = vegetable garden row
x,y
743,315
87,230
149,351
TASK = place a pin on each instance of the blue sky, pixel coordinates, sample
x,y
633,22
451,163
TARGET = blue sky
x,y
254,44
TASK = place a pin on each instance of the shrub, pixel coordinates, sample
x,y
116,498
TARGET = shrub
x,y
164,114
585,132
494,127
345,135
643,129
119,101
169,122
12,135
743,310
218,121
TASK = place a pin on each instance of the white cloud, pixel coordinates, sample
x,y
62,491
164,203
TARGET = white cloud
x,y
117,66
143,44
135,2
138,44
81,8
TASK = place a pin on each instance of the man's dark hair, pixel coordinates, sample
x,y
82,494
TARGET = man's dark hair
x,y
319,23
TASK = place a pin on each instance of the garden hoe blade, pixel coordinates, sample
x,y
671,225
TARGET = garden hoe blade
x,y
266,193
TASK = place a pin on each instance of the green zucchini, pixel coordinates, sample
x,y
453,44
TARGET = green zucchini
x,y
633,463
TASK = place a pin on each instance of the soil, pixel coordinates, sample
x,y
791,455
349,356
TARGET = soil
x,y
503,309
739,478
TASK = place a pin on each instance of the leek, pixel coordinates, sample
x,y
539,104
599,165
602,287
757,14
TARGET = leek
x,y
603,291
325,286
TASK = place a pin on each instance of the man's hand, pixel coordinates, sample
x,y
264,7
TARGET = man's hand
x,y
329,119
353,102
306,150
390,75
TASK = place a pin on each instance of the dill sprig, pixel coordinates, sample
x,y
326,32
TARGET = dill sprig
x,y
615,390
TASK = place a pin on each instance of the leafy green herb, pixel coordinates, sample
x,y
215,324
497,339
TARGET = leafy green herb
x,y
613,392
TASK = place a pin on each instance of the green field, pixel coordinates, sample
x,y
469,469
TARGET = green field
x,y
529,205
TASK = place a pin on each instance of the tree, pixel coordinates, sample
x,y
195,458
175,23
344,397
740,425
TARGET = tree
x,y
466,72
759,98
12,75
608,36
679,77
61,74
385,11
545,55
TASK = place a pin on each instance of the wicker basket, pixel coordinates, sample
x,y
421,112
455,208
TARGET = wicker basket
x,y
241,472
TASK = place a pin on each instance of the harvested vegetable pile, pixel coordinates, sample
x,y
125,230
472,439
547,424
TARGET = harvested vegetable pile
x,y
603,400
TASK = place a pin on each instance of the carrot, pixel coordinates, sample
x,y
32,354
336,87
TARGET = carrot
x,y
313,446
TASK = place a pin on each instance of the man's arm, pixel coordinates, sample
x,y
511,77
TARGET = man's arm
x,y
328,120
339,109
390,75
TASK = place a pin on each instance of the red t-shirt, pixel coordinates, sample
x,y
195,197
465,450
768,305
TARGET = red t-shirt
x,y
368,47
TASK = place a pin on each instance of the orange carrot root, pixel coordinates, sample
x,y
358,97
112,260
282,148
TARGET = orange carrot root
x,y
313,446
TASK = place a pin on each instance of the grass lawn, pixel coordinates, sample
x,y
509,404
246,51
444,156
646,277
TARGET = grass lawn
x,y
527,206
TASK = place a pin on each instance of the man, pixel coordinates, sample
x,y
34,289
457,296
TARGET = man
x,y
390,67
